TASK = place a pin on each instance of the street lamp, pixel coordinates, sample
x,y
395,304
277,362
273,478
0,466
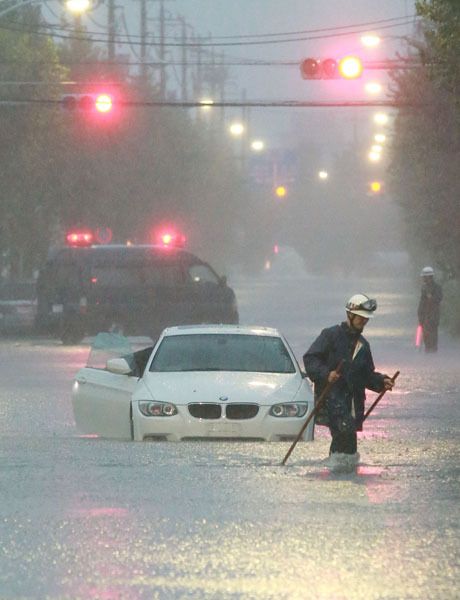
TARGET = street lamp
x,y
370,40
380,138
257,145
236,129
374,156
76,6
373,87
323,175
206,104
381,118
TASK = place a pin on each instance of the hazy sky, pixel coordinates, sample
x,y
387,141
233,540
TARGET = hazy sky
x,y
256,17
220,18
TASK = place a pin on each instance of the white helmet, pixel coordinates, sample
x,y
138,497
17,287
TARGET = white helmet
x,y
361,305
427,272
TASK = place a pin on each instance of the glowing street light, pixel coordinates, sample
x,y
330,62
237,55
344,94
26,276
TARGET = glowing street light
x,y
78,6
236,129
323,175
374,156
376,148
380,138
373,87
370,40
257,145
206,104
381,118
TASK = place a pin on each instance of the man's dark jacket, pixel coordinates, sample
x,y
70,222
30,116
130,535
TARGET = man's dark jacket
x,y
332,345
429,304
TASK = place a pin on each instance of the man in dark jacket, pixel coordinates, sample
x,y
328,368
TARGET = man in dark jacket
x,y
345,404
429,309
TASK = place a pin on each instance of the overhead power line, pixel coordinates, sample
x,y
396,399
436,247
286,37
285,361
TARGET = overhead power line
x,y
404,20
194,44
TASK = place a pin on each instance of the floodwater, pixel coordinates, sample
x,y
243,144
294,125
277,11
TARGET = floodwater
x,y
85,518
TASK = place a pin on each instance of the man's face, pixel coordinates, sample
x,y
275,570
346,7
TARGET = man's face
x,y
427,281
357,322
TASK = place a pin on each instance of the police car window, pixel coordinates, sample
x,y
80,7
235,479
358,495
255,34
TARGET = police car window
x,y
67,275
168,275
202,274
117,276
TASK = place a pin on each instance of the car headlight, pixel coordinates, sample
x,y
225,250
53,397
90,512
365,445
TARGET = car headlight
x,y
151,408
289,409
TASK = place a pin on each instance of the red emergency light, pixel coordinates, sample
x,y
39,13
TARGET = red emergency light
x,y
80,238
170,239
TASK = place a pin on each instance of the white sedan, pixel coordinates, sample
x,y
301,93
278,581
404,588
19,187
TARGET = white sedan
x,y
199,381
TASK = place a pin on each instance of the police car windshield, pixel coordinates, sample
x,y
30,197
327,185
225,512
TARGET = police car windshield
x,y
222,352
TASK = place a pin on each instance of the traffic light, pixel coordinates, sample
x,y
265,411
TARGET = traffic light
x,y
281,191
88,102
349,67
375,188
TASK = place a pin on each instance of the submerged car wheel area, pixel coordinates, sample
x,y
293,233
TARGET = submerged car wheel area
x,y
202,381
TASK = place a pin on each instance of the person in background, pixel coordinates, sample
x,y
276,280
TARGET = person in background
x,y
429,309
345,404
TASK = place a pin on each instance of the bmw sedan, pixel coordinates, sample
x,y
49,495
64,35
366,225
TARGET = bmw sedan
x,y
198,381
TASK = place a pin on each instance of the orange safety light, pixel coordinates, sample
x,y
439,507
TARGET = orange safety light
x,y
350,67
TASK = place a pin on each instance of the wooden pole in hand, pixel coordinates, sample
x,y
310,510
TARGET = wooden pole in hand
x,y
379,397
321,400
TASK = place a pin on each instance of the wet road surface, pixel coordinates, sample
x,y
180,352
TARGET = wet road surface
x,y
85,518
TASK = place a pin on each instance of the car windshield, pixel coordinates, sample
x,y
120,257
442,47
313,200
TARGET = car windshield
x,y
222,352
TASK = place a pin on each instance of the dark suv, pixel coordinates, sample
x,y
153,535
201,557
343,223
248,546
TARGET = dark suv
x,y
136,290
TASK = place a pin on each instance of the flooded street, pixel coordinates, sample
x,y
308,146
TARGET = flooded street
x,y
85,518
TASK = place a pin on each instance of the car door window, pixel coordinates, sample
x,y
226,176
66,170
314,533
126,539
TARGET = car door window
x,y
202,274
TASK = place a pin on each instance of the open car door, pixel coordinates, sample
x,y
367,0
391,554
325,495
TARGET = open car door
x,y
101,398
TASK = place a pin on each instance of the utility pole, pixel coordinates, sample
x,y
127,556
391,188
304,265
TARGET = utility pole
x,y
198,80
162,52
143,33
111,30
184,60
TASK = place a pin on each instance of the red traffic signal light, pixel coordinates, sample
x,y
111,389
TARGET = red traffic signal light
x,y
87,102
349,67
310,69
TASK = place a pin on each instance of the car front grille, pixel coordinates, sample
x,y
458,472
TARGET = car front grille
x,y
241,411
205,411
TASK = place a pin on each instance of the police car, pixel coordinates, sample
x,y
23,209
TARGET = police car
x,y
132,289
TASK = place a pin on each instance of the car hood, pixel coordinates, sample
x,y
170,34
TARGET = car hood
x,y
261,388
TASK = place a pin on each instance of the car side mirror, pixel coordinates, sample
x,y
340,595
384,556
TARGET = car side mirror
x,y
119,366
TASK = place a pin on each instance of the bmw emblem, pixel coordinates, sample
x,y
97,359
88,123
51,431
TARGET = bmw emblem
x,y
223,398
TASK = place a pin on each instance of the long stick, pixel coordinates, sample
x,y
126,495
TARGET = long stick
x,y
313,413
379,397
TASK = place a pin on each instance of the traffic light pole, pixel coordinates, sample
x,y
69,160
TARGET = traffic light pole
x,y
111,30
